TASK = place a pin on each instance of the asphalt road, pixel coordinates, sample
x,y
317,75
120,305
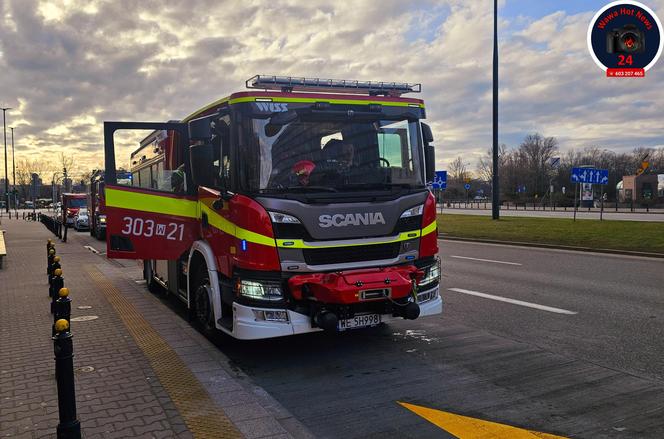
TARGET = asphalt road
x,y
580,354
595,371
581,214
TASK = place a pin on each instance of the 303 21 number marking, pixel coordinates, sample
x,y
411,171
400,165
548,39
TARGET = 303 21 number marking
x,y
148,228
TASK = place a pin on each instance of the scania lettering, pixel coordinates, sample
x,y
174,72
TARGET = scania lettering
x,y
297,205
350,219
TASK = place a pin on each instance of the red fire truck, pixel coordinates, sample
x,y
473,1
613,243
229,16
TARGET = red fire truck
x,y
299,205
71,204
96,205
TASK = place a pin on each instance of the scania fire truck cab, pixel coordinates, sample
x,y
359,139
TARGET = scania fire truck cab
x,y
298,206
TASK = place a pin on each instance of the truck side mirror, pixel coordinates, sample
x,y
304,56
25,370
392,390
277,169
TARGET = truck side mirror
x,y
430,160
427,134
202,164
429,153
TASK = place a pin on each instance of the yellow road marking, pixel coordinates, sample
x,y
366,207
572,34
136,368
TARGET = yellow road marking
x,y
465,427
203,417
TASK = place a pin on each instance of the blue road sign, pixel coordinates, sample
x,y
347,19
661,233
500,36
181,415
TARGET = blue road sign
x,y
589,175
439,180
466,186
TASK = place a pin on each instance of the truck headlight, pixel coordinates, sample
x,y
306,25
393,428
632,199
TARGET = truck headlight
x,y
257,290
102,219
413,211
431,275
283,218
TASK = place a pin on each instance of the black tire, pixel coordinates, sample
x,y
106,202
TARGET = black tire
x,y
148,275
202,310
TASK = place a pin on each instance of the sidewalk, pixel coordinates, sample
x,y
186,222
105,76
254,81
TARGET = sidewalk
x,y
141,370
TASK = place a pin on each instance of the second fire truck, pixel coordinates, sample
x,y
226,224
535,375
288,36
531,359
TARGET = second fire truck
x,y
299,205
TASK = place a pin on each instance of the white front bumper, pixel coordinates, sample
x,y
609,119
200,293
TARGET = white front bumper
x,y
247,327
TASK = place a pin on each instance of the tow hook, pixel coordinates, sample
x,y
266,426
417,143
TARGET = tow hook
x,y
412,310
328,320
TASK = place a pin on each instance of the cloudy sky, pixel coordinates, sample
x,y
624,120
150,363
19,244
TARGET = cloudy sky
x,y
68,65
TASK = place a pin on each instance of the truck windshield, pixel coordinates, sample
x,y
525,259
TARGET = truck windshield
x,y
343,154
77,202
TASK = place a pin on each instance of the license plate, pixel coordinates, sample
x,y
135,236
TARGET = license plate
x,y
361,321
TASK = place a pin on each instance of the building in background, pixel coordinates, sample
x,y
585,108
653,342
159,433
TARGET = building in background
x,y
639,188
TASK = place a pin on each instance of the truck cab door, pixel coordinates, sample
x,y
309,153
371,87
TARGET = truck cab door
x,y
144,221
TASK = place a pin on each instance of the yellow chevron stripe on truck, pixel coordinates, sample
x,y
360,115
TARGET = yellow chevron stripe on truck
x,y
221,223
154,203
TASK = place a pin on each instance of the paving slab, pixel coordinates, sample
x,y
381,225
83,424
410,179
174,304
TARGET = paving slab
x,y
141,370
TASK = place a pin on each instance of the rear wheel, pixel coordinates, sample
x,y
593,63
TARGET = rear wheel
x,y
203,313
148,275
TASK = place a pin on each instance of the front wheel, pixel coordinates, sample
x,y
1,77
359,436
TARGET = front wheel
x,y
203,312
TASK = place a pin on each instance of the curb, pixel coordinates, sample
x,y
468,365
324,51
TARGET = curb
x,y
555,246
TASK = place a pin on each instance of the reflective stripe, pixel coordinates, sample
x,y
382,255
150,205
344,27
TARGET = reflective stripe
x,y
299,243
301,100
153,203
331,101
221,223
430,228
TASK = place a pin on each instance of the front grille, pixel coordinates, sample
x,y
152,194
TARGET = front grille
x,y
356,253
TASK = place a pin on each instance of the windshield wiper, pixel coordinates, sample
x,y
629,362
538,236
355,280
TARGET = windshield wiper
x,y
356,186
299,189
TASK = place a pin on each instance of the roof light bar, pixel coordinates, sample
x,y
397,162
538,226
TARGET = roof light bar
x,y
373,88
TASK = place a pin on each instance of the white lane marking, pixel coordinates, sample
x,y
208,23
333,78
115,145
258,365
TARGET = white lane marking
x,y
486,260
514,301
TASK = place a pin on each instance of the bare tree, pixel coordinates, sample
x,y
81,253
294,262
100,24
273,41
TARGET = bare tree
x,y
485,163
25,168
458,171
535,152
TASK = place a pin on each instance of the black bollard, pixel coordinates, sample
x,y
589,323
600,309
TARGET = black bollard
x,y
69,427
62,308
64,237
56,285
54,266
49,261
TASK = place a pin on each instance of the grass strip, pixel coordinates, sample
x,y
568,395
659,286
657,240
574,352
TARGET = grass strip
x,y
615,235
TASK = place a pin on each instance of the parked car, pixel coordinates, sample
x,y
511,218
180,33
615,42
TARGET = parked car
x,y
81,220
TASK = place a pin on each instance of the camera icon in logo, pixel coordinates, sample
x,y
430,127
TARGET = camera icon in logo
x,y
627,39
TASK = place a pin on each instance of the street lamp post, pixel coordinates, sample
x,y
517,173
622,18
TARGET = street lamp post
x,y
495,200
14,171
4,126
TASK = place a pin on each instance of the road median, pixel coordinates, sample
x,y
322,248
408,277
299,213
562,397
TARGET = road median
x,y
619,237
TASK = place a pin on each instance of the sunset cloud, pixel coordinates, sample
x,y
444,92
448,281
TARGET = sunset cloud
x,y
68,65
